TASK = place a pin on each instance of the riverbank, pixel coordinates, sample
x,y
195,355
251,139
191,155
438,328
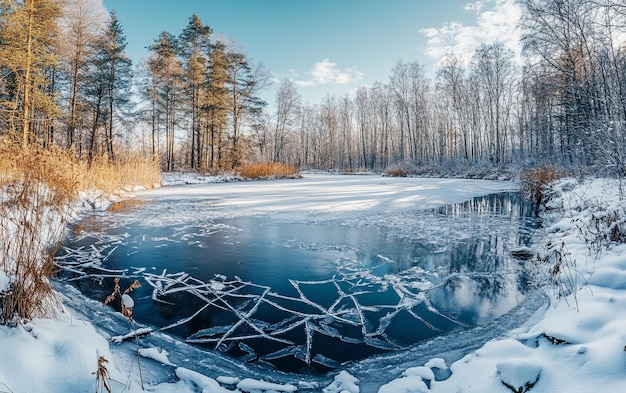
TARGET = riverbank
x,y
566,350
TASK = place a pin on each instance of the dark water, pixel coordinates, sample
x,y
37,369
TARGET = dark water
x,y
307,296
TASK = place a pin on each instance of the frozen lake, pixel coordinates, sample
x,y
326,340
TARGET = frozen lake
x,y
308,274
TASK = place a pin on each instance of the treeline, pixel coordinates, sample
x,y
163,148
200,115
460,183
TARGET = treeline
x,y
194,101
565,105
66,80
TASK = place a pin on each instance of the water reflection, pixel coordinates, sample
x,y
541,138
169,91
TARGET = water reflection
x,y
307,297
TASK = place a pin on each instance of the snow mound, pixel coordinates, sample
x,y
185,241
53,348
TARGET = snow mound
x,y
204,383
343,383
436,363
609,278
228,380
253,386
410,384
422,372
519,375
160,355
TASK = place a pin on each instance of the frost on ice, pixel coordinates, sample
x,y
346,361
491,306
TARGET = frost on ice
x,y
243,300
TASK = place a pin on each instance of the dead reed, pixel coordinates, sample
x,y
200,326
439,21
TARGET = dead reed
x,y
536,182
129,171
268,170
127,303
38,188
103,380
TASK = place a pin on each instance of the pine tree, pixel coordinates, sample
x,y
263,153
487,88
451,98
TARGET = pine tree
x,y
195,48
243,82
166,72
109,85
118,74
27,30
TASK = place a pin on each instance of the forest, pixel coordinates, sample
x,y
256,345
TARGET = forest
x,y
194,102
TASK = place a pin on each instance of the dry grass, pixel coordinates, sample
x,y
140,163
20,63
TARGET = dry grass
x,y
128,172
268,170
127,310
103,380
126,305
399,170
38,187
535,184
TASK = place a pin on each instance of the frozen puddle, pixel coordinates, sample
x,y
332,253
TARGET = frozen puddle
x,y
269,278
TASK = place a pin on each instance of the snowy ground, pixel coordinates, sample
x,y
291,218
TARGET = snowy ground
x,y
563,349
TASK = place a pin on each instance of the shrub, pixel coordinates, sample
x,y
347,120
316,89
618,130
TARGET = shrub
x,y
268,170
400,170
535,184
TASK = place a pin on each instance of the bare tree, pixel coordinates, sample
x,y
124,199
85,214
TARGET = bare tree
x,y
287,112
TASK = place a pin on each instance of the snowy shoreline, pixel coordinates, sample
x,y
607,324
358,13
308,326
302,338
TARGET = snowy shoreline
x,y
60,355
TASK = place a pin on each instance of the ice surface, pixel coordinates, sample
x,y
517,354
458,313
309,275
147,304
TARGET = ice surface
x,y
351,306
60,355
351,315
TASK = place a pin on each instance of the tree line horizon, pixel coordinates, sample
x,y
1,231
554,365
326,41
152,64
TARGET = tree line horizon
x,y
193,102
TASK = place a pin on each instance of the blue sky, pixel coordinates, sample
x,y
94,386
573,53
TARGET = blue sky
x,y
328,46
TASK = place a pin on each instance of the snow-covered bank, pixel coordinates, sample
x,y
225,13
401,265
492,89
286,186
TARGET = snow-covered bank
x,y
61,355
578,345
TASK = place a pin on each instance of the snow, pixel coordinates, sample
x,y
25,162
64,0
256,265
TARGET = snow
x,y
128,301
518,374
574,345
436,363
254,386
4,282
160,355
343,383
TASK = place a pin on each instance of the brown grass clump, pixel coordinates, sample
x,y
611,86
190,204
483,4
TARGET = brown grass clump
x,y
128,172
535,184
126,204
38,188
268,170
400,170
127,303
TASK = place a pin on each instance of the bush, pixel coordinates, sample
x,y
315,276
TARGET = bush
x,y
400,170
535,184
268,170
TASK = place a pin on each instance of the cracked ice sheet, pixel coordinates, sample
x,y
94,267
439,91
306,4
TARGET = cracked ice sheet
x,y
330,197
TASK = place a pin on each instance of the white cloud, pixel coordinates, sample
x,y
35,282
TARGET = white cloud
x,y
496,20
326,72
